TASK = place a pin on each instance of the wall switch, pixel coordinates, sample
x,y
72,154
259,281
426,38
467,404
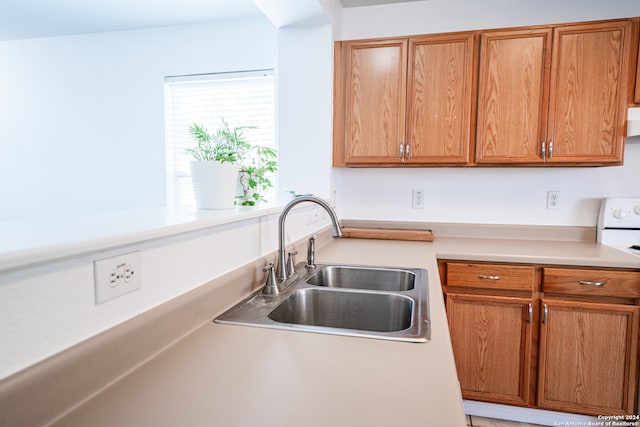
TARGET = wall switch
x,y
116,276
417,199
553,200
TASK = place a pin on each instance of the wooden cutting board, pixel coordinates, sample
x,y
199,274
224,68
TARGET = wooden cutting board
x,y
388,234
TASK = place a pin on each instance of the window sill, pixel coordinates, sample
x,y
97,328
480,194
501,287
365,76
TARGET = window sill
x,y
32,242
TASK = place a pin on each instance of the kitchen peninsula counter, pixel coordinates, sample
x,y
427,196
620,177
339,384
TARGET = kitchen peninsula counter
x,y
246,376
174,366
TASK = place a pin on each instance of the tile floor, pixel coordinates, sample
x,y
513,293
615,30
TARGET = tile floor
x,y
489,422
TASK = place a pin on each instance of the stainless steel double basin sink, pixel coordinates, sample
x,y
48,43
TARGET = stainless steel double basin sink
x,y
372,302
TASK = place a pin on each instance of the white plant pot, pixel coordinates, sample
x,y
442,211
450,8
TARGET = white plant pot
x,y
214,184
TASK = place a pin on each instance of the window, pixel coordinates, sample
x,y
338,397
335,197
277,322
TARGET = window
x,y
242,99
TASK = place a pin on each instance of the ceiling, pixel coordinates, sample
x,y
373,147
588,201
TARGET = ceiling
x,y
36,18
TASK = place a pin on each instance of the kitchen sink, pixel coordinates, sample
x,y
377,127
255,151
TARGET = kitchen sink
x,y
379,279
380,312
371,302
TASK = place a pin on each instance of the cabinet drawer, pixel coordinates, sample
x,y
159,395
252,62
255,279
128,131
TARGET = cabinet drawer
x,y
624,284
491,276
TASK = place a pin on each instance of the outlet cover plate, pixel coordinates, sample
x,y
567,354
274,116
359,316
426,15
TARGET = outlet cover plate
x,y
117,276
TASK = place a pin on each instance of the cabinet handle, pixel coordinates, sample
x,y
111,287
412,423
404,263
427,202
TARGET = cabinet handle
x,y
530,315
401,151
482,276
407,150
550,149
586,282
545,313
543,150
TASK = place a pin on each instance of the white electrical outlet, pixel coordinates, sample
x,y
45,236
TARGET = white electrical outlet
x,y
116,276
553,200
417,199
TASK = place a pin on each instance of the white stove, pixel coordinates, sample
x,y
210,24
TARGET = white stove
x,y
619,224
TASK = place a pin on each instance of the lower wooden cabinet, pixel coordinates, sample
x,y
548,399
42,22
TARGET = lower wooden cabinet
x,y
557,338
588,357
491,339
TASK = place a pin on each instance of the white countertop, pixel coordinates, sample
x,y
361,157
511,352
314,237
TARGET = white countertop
x,y
232,375
33,241
586,254
246,376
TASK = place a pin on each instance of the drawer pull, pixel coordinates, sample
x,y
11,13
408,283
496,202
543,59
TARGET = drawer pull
x,y
587,283
482,276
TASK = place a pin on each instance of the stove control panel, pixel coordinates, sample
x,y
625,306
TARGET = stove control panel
x,y
619,223
619,213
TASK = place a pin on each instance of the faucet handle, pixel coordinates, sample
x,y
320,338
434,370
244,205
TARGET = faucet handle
x,y
291,270
268,267
271,286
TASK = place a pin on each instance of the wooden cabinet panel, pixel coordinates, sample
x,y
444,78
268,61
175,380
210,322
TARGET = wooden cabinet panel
x,y
588,357
588,95
636,98
491,339
574,281
587,349
491,276
545,95
513,96
439,98
375,100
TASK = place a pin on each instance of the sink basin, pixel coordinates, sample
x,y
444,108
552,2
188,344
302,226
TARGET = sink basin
x,y
347,310
379,279
370,302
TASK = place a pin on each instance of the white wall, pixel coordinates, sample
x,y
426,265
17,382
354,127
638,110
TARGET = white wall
x,y
482,195
305,99
50,307
82,117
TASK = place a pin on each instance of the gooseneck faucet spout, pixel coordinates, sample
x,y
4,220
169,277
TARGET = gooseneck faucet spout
x,y
281,271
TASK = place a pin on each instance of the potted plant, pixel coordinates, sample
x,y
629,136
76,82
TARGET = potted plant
x,y
215,169
254,181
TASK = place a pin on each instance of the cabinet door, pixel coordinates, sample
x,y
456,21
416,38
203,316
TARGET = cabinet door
x,y
440,99
491,339
636,98
588,357
375,87
513,96
588,99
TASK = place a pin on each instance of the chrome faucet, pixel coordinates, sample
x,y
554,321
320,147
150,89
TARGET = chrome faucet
x,y
281,271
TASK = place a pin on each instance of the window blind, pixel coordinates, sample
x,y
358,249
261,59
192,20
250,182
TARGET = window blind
x,y
241,98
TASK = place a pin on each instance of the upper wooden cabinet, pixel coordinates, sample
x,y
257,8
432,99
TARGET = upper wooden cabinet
x,y
588,97
527,96
636,98
403,101
513,93
571,113
375,100
439,99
